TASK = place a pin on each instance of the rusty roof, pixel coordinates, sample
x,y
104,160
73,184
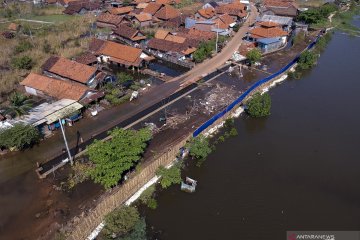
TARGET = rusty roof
x,y
120,51
268,24
260,32
110,18
173,38
128,32
121,10
56,88
152,8
207,12
167,12
86,58
69,69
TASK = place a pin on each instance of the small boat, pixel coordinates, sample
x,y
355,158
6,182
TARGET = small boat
x,y
189,185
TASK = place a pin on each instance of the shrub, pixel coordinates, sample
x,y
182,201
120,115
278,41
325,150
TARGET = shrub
x,y
147,197
259,105
24,62
19,136
121,221
169,176
199,147
307,60
22,47
254,55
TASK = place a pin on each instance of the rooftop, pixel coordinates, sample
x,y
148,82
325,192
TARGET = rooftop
x,y
56,88
69,69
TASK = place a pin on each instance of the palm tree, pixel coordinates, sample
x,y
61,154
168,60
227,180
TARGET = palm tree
x,y
19,105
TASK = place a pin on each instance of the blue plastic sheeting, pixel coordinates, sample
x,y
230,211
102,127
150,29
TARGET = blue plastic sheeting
x,y
247,92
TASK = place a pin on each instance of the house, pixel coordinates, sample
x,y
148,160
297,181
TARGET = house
x,y
142,19
128,34
82,7
176,22
235,9
196,34
168,1
268,36
167,12
212,5
206,13
66,69
46,116
285,22
110,20
163,48
116,53
121,10
141,5
152,8
87,58
47,87
285,8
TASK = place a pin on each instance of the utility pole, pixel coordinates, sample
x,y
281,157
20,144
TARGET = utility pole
x,y
217,38
66,144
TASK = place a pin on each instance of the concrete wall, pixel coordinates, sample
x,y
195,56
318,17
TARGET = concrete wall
x,y
83,226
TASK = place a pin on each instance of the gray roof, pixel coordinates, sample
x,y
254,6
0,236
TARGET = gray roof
x,y
277,19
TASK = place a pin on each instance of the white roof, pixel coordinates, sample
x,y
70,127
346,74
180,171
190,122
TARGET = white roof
x,y
276,19
49,112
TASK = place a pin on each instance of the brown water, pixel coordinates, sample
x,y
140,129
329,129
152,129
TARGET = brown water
x,y
298,169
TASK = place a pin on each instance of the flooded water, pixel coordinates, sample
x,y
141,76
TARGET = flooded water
x,y
298,169
169,69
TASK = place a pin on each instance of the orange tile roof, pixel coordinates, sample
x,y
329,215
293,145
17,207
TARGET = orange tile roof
x,y
167,12
56,88
176,39
261,32
152,8
142,5
72,70
161,34
201,34
279,3
268,24
143,17
121,52
207,12
121,10
142,1
227,19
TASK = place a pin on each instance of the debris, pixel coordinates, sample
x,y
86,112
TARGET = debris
x,y
189,185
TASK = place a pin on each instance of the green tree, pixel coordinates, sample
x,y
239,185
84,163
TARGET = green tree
x,y
47,47
259,105
254,55
24,62
19,136
123,77
19,105
121,221
138,232
204,51
112,158
147,197
306,60
169,176
199,147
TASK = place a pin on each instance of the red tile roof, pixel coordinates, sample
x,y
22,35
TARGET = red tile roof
x,y
167,12
59,89
152,8
69,69
121,53
207,12
143,17
129,33
121,10
110,19
261,32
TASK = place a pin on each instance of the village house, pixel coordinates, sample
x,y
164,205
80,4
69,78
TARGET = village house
x,y
205,13
236,9
121,10
268,36
82,7
110,20
142,19
86,58
285,22
196,34
170,49
152,8
47,87
168,1
128,35
163,12
66,69
116,53
212,5
285,8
